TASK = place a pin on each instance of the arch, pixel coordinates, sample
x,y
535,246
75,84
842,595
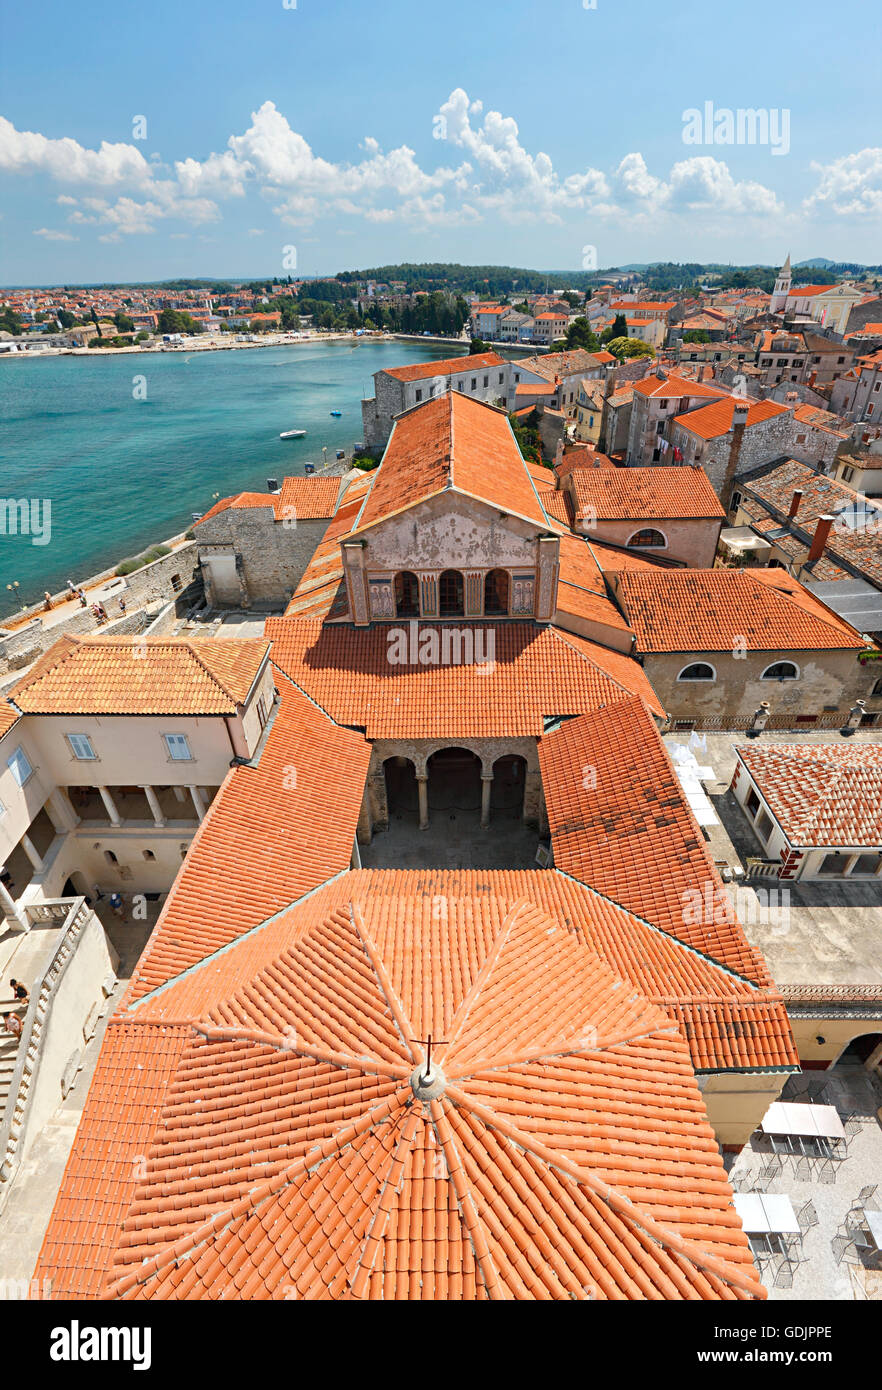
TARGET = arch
x,y
649,538
402,800
407,594
497,589
451,594
698,671
858,1050
781,671
877,688
509,785
454,785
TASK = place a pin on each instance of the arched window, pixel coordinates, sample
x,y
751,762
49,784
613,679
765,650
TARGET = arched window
x,y
648,537
496,592
698,671
877,688
780,671
407,595
450,595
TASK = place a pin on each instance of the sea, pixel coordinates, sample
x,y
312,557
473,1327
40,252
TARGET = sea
x,y
125,448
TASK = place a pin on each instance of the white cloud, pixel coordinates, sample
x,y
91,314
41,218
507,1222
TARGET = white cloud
x,y
49,234
27,152
849,186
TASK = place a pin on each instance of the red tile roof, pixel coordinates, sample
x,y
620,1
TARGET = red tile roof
x,y
277,829
240,500
711,421
307,498
612,559
535,672
451,443
674,386
418,371
709,610
821,794
645,493
565,1154
622,823
8,716
141,675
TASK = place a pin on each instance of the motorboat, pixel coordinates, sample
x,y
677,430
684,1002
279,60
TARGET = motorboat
x,y
337,413
292,434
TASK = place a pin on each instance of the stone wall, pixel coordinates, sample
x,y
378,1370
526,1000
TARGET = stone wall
x,y
274,554
828,684
783,436
24,645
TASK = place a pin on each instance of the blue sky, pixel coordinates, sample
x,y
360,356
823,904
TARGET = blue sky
x,y
518,132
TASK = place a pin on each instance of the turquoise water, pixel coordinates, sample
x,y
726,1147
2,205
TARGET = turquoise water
x,y
123,473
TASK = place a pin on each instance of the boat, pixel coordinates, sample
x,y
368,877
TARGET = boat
x,y
292,434
337,413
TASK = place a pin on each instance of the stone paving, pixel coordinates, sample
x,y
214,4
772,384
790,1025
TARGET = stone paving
x,y
853,1091
454,840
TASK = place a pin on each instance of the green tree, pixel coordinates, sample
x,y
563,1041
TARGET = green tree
x,y
10,322
623,348
580,334
123,322
620,327
66,318
176,321
696,335
477,345
94,317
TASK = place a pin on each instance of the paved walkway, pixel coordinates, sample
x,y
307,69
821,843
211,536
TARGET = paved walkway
x,y
851,1089
454,840
25,1217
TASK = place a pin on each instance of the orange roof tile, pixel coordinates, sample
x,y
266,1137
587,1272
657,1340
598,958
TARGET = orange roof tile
x,y
298,1154
708,610
623,824
711,421
8,716
141,675
451,443
821,794
308,498
240,500
418,371
681,492
674,386
611,559
534,672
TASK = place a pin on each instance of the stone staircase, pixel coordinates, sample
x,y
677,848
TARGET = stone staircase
x,y
8,1053
20,1062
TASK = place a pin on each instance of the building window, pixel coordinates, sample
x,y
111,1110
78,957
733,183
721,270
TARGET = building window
x,y
833,864
81,747
752,802
780,671
648,537
763,825
866,864
486,381
736,501
419,395
148,855
474,382
19,766
698,671
496,590
178,748
450,595
176,583
407,595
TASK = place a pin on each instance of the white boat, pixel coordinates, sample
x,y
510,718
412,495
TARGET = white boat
x,y
292,434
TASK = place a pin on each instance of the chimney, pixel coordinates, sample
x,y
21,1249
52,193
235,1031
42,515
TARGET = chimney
x,y
822,531
794,503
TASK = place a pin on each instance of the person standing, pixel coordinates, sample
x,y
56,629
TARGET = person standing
x,y
116,904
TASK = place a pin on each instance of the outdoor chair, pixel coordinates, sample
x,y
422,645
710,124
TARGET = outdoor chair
x,y
803,1170
852,1124
844,1248
807,1216
866,1195
827,1171
770,1171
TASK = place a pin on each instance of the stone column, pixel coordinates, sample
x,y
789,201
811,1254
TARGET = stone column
x,y
153,799
9,909
32,852
61,810
198,802
486,788
110,806
423,790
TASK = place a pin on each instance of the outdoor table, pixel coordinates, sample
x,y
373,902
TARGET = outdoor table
x,y
873,1222
790,1121
766,1213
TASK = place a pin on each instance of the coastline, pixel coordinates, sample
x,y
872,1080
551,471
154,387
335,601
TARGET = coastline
x,y
218,344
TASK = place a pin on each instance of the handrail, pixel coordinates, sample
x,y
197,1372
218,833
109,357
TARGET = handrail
x,y
73,913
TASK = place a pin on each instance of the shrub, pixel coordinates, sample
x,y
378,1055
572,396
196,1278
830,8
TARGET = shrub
x,y
137,562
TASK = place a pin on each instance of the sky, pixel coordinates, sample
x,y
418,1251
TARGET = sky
x,y
272,137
